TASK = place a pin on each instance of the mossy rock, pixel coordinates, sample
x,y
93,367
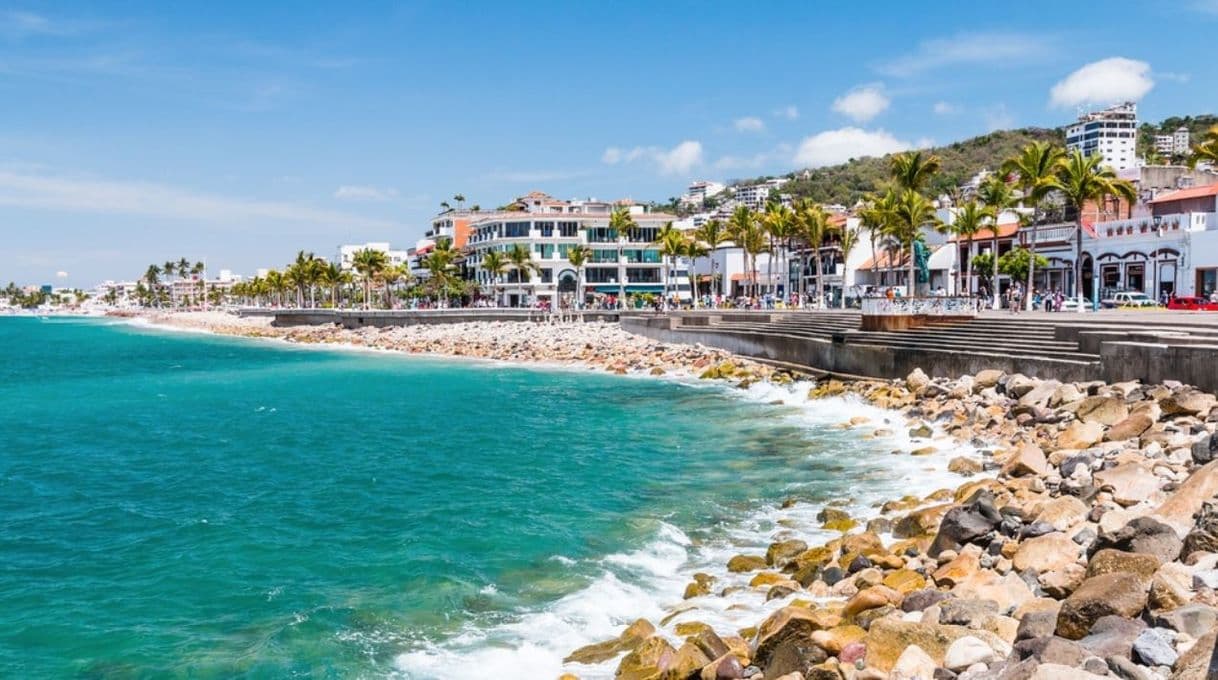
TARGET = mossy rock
x,y
745,563
841,525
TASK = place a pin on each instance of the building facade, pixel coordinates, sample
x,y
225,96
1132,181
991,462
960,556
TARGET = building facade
x,y
346,254
1111,133
549,229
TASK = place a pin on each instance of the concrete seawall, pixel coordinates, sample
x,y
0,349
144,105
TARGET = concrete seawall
x,y
348,318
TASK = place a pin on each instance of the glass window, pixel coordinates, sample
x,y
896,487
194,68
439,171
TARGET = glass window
x,y
515,229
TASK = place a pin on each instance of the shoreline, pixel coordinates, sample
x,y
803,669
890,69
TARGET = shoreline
x,y
1088,521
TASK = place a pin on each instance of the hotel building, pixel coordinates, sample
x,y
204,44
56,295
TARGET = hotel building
x,y
550,228
1111,133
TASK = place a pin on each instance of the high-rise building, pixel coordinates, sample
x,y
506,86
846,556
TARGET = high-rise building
x,y
1111,133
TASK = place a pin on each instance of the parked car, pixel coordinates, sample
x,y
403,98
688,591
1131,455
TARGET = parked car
x,y
1130,298
1072,304
1189,303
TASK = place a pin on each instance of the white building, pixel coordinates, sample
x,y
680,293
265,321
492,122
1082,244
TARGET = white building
x,y
550,228
1111,133
346,254
699,191
756,195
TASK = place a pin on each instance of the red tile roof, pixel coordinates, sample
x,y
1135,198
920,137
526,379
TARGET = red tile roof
x,y
1183,194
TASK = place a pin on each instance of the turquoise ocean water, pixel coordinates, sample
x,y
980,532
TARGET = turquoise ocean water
x,y
182,505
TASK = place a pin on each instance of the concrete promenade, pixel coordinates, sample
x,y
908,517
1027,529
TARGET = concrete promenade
x,y
356,318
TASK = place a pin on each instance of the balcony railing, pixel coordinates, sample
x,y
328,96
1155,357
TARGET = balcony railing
x,y
1166,224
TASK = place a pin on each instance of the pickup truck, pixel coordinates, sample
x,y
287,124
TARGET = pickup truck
x,y
1129,299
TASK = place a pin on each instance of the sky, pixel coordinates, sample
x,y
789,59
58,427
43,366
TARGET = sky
x,y
237,133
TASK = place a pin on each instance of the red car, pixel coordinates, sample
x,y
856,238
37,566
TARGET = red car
x,y
1195,304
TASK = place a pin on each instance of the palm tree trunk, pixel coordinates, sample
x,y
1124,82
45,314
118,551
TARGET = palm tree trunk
x,y
994,274
1027,291
913,282
820,280
1078,262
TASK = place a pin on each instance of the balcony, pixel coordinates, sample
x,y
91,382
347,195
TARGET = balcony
x,y
1045,234
1145,226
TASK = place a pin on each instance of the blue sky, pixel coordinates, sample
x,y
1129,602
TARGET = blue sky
x,y
238,133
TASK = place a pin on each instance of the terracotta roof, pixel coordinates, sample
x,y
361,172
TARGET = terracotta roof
x,y
885,262
1183,194
1005,230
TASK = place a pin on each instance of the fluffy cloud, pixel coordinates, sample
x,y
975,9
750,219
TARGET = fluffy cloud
x,y
862,103
351,192
838,146
675,161
945,108
971,49
1103,82
749,124
789,112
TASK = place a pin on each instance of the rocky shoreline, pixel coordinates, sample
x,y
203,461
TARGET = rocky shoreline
x,y
600,346
1091,551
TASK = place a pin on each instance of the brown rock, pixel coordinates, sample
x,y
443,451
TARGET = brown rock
x,y
781,553
871,598
835,639
632,637
1188,402
964,466
1008,590
647,661
964,566
742,563
1062,512
1179,508
1028,459
686,663
1119,594
888,638
904,581
787,623
1109,561
1046,553
1201,661
1131,427
1080,435
1061,582
1129,483
921,522
1102,410
1170,587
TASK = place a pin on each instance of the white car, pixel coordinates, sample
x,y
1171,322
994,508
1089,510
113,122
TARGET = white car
x,y
1130,299
1075,305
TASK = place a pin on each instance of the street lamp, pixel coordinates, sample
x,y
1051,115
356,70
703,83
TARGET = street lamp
x,y
1158,219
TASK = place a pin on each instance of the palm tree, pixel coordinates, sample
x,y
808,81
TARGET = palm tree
x,y
622,223
998,196
713,234
672,245
1082,180
521,259
152,276
693,249
749,237
494,264
876,216
847,242
276,285
1036,165
779,223
331,276
578,256
460,199
369,262
1206,151
440,269
970,218
913,169
813,225
912,212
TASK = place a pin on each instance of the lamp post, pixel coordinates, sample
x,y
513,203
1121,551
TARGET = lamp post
x,y
1155,254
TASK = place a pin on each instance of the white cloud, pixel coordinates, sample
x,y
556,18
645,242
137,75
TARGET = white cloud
x,y
945,108
1103,82
970,48
355,192
789,112
61,274
749,124
838,146
998,118
145,199
678,160
862,103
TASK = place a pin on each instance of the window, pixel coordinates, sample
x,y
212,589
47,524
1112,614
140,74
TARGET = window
x,y
601,274
568,229
546,228
515,229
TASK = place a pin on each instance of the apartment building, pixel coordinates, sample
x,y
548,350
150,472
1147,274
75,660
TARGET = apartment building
x,y
1111,133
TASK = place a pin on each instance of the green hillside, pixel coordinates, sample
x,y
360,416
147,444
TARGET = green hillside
x,y
1196,125
848,182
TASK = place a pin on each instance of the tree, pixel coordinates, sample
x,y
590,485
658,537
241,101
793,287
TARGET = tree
x,y
712,234
578,256
998,196
988,264
369,262
332,276
460,199
913,170
875,216
672,245
1036,166
494,264
1016,262
622,224
1082,180
441,281
849,239
812,225
911,212
970,218
693,249
1205,151
521,259
152,276
748,237
779,224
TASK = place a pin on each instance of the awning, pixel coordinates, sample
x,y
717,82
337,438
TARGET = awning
x,y
943,259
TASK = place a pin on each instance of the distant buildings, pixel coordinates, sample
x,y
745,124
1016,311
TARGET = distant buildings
x,y
346,254
1111,133
1175,144
699,191
756,195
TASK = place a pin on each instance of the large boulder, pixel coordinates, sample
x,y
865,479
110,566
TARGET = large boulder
x,y
887,638
1153,648
1102,410
1118,594
1193,620
1171,587
966,523
1204,535
1062,512
783,552
1129,483
1186,501
1145,535
784,641
1109,561
1131,427
686,663
967,651
1200,662
1187,402
632,637
647,662
1112,636
1046,553
742,563
1080,435
1050,649
921,522
1027,460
